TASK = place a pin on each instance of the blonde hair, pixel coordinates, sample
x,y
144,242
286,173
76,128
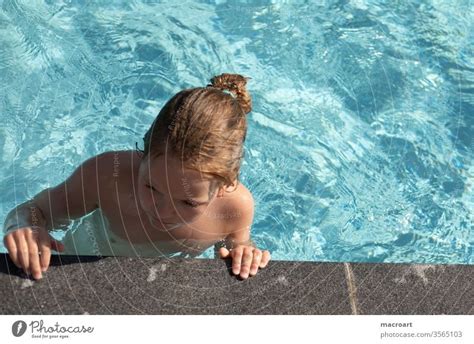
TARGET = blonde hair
x,y
205,127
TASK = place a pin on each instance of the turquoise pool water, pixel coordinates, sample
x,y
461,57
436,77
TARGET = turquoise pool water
x,y
360,143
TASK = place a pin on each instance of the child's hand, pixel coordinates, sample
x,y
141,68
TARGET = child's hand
x,y
30,249
245,259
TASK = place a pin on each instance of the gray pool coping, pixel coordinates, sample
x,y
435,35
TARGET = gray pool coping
x,y
123,285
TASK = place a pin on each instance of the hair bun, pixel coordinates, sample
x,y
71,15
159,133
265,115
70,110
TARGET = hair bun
x,y
236,84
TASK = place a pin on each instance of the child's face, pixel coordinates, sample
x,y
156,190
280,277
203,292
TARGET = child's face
x,y
170,192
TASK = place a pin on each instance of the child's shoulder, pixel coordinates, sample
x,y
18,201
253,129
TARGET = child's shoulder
x,y
242,196
113,160
117,155
113,165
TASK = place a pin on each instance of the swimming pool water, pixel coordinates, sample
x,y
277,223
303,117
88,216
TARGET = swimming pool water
x,y
360,142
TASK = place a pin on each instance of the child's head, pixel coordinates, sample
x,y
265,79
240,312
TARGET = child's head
x,y
194,148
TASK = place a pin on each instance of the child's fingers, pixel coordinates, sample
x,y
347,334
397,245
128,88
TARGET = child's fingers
x,y
223,252
246,261
236,260
45,249
45,257
23,253
34,259
10,245
257,256
265,258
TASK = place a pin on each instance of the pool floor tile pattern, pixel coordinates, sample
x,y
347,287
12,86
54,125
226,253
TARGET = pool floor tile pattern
x,y
121,285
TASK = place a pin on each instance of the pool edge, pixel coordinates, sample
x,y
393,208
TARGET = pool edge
x,y
122,285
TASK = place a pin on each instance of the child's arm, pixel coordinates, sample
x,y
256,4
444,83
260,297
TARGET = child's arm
x,y
246,257
26,226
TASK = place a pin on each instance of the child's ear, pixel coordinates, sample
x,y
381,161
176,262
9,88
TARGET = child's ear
x,y
220,191
223,188
228,188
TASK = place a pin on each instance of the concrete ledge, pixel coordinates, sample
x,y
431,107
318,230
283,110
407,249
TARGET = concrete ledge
x,y
121,285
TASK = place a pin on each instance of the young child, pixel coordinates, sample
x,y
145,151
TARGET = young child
x,y
180,194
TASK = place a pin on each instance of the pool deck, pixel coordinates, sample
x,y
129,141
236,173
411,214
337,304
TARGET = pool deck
x,y
121,285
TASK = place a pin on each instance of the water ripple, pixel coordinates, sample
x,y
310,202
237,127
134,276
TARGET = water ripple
x,y
360,142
